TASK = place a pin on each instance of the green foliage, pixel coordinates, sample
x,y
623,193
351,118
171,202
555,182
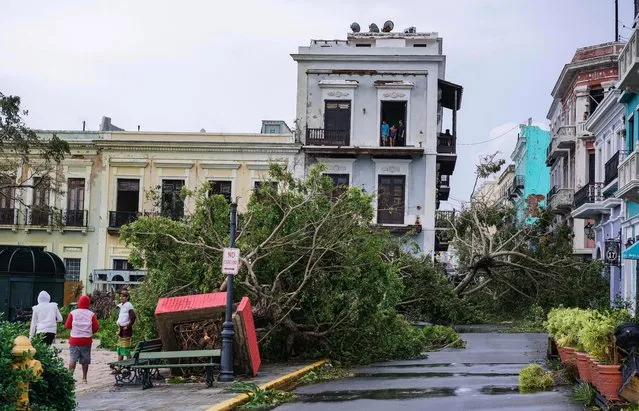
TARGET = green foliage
x,y
320,279
534,378
259,397
584,393
54,390
327,372
565,324
439,336
597,335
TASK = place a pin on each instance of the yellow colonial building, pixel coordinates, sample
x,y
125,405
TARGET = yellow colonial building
x,y
112,177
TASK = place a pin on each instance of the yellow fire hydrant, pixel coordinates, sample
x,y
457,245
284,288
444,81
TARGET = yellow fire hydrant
x,y
23,353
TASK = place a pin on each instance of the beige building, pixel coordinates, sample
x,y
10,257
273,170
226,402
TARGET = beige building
x,y
498,190
106,182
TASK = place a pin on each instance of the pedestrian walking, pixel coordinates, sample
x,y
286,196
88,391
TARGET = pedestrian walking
x,y
126,318
44,318
83,323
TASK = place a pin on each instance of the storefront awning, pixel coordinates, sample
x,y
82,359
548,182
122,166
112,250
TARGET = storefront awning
x,y
632,253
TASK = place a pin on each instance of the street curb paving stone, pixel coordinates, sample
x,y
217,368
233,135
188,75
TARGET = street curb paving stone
x,y
271,385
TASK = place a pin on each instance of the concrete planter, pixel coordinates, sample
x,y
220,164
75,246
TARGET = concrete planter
x,y
583,366
609,381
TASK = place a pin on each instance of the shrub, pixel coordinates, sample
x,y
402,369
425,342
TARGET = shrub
x,y
439,336
564,324
584,393
597,335
534,378
54,390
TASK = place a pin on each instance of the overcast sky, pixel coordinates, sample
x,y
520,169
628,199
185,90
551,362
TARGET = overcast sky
x,y
225,65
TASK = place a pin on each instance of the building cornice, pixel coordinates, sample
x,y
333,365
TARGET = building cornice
x,y
376,58
177,146
220,165
173,163
128,162
362,72
570,70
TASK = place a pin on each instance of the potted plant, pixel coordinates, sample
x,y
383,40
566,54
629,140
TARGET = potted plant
x,y
558,325
598,338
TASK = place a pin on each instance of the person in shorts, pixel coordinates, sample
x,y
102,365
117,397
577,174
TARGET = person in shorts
x,y
384,130
83,323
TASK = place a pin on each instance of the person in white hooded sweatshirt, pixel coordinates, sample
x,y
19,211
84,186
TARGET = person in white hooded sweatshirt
x,y
44,318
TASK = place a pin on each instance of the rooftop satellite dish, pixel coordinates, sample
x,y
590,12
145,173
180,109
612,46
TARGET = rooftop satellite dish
x,y
202,130
373,28
388,26
355,28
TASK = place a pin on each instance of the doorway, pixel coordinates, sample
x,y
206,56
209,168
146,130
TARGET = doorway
x,y
394,114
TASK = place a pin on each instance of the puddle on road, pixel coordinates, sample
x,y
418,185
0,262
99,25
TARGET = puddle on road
x,y
443,364
494,390
388,394
400,375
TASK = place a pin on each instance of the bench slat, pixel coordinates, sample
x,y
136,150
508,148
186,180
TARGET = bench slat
x,y
212,364
169,355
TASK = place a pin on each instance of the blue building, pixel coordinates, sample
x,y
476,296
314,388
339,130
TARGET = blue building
x,y
596,201
532,175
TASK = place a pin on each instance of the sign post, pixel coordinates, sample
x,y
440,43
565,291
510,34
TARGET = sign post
x,y
230,267
612,248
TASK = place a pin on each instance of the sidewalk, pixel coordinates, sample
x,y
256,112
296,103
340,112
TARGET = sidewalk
x,y
99,373
168,397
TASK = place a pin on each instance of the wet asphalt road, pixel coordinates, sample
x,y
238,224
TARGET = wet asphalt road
x,y
484,376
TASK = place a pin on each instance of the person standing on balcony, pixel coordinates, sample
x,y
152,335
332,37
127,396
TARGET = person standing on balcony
x,y
126,318
45,317
384,131
393,135
401,134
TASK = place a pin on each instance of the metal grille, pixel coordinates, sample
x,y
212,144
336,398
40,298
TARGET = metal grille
x,y
72,266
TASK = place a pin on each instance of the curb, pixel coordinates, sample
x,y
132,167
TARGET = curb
x,y
271,385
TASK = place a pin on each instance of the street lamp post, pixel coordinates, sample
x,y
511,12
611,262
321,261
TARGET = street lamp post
x,y
226,363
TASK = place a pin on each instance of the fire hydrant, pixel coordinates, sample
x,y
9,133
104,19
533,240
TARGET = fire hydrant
x,y
23,353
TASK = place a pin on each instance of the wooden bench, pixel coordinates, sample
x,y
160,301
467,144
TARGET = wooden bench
x,y
150,361
123,372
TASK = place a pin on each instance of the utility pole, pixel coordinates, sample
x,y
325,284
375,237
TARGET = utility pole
x,y
226,363
617,20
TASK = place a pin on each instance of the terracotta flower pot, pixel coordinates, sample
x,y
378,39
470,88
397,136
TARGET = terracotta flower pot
x,y
582,366
609,381
566,354
594,371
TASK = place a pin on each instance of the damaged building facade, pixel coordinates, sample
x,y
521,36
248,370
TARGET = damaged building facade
x,y
371,108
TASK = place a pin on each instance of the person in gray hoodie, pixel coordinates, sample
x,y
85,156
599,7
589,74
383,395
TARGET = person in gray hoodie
x,y
44,318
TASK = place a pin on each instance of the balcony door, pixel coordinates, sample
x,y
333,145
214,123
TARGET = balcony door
x,y
7,200
337,121
390,199
75,202
127,202
40,211
172,204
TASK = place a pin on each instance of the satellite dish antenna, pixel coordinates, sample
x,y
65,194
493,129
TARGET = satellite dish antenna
x,y
355,27
388,26
202,130
373,28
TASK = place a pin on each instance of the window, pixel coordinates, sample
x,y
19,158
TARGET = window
x,y
393,127
7,200
260,184
363,45
40,212
337,122
172,203
222,188
272,129
390,199
72,266
122,264
420,45
340,184
75,202
128,195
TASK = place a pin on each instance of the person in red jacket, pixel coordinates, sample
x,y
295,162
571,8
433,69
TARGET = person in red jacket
x,y
83,323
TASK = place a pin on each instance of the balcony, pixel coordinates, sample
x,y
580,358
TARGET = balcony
x,y
590,193
611,169
117,277
628,178
446,153
119,218
629,65
8,216
75,218
322,137
444,219
553,152
443,188
561,199
590,202
582,131
442,240
42,217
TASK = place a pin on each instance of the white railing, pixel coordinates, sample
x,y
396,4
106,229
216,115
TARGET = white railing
x,y
562,198
628,169
117,276
566,131
581,129
628,57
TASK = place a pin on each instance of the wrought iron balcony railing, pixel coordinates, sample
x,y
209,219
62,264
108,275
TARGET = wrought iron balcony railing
x,y
446,144
611,169
444,218
8,216
44,216
323,137
75,218
119,218
590,193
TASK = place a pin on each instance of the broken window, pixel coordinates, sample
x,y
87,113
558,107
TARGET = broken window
x,y
596,95
128,195
393,127
340,184
172,205
390,199
337,122
222,188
